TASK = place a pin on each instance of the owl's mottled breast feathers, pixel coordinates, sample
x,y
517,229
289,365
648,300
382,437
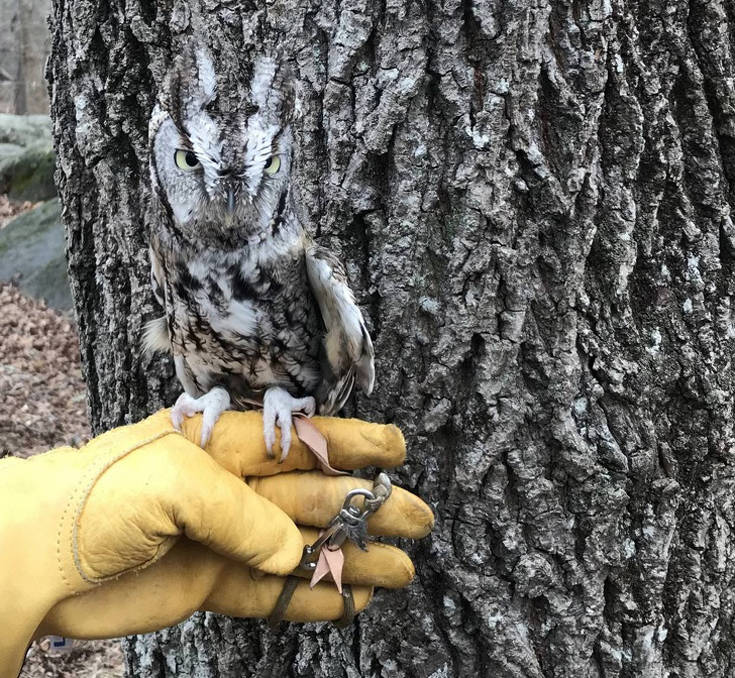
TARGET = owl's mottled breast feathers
x,y
293,323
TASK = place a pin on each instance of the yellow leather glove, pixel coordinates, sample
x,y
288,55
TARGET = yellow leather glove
x,y
141,527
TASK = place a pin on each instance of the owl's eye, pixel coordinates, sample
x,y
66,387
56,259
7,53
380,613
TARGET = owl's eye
x,y
273,165
185,160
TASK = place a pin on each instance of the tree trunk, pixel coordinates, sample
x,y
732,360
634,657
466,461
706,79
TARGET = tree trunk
x,y
533,200
24,44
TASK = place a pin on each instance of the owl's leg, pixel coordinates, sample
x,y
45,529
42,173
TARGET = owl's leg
x,y
279,404
211,404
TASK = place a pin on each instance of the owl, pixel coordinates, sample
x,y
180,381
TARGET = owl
x,y
255,313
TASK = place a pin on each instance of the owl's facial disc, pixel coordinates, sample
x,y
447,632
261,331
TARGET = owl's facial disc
x,y
220,173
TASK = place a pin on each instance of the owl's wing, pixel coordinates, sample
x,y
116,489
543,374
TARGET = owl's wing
x,y
157,278
155,333
348,354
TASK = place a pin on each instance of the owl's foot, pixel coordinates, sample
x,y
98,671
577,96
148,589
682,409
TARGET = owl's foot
x,y
279,404
211,404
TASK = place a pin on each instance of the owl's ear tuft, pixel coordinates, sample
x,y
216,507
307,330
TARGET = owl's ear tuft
x,y
272,85
207,77
190,84
286,85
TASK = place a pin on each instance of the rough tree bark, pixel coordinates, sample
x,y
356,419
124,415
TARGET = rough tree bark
x,y
534,202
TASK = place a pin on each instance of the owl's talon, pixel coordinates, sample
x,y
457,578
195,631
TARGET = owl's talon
x,y
270,441
269,427
279,405
284,423
309,406
184,407
212,404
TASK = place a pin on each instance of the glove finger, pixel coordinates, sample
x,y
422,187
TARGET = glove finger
x,y
237,444
188,578
311,498
161,595
381,565
172,489
220,511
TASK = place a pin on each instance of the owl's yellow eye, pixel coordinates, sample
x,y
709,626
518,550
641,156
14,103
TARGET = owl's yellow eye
x,y
186,160
273,165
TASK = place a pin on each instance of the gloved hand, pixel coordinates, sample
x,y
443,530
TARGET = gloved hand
x,y
141,527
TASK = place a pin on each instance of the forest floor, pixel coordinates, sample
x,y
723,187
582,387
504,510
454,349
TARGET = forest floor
x,y
8,209
43,405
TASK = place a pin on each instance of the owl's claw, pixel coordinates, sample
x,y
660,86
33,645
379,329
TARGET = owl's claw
x,y
279,404
212,404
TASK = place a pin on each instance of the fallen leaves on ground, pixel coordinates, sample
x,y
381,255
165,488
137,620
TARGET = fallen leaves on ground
x,y
10,209
43,400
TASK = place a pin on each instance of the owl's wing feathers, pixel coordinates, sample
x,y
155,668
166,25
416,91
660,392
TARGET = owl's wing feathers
x,y
155,333
348,354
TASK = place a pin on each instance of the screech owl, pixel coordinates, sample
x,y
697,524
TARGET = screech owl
x,y
256,314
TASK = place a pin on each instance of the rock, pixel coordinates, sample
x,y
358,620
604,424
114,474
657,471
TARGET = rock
x,y
26,157
33,255
7,150
24,130
28,174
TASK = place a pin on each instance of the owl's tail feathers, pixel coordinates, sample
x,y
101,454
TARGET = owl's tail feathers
x,y
155,336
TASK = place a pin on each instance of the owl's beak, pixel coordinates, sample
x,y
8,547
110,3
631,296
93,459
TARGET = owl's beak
x,y
231,200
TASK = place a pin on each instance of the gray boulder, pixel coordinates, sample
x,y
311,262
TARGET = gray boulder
x,y
29,173
33,255
8,150
24,130
26,157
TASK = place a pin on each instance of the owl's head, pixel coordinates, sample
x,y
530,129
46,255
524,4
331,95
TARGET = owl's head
x,y
220,163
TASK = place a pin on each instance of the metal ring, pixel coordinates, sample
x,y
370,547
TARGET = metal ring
x,y
359,492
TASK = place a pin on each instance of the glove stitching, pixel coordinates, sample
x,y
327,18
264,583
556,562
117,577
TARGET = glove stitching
x,y
85,489
59,562
63,527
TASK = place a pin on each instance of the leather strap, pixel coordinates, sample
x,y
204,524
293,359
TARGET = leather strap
x,y
279,611
292,581
348,600
314,439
